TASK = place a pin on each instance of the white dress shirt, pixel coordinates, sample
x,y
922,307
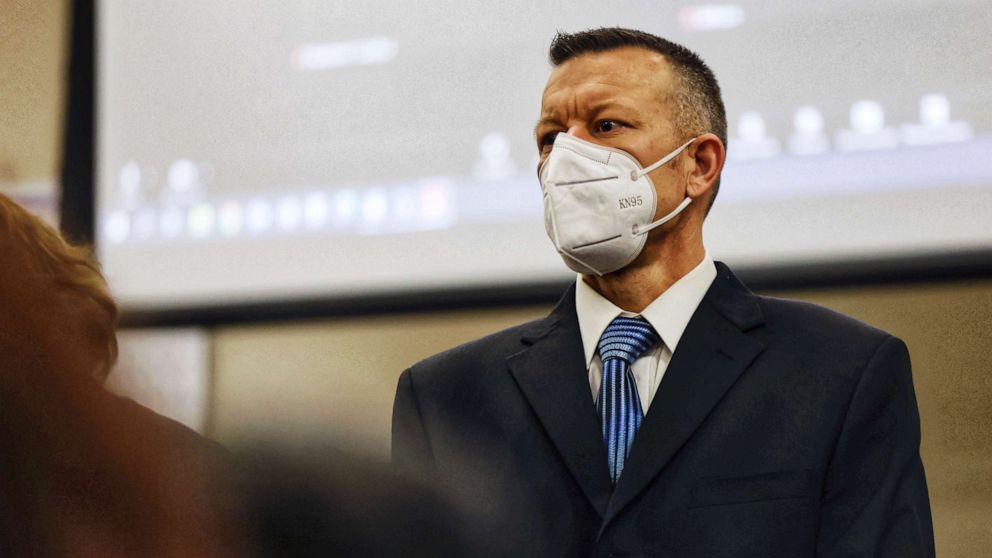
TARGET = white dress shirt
x,y
669,314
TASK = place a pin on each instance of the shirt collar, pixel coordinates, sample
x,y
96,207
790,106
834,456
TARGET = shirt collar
x,y
669,314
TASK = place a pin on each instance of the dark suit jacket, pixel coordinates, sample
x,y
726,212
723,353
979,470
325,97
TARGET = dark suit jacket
x,y
780,429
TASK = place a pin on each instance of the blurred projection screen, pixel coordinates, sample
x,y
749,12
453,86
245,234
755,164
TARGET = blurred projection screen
x,y
335,149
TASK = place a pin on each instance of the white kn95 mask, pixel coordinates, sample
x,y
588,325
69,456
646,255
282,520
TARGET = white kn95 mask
x,y
599,203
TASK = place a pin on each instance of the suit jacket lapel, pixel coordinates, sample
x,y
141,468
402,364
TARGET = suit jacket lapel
x,y
713,352
552,375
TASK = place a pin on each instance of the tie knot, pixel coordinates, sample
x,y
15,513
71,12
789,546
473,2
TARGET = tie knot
x,y
627,339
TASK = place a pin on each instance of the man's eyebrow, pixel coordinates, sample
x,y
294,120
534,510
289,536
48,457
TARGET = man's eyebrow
x,y
635,113
595,108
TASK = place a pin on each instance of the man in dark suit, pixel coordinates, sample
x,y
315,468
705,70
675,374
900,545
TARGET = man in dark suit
x,y
662,409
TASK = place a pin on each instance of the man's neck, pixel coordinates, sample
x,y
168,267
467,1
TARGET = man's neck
x,y
656,269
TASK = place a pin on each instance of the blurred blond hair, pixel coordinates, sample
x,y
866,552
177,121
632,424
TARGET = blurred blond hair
x,y
63,281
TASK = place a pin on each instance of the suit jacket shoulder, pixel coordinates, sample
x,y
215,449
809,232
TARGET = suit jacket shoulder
x,y
821,320
820,340
469,358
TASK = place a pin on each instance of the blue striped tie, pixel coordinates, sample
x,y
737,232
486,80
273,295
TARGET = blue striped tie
x,y
618,405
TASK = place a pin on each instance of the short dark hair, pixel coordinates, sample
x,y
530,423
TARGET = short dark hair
x,y
696,103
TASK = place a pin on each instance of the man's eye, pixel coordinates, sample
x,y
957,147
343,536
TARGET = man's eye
x,y
549,138
607,126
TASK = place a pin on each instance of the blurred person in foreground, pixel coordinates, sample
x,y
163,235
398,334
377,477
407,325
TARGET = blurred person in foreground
x,y
84,472
662,408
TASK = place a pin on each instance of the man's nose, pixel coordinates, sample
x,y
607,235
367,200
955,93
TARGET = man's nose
x,y
580,131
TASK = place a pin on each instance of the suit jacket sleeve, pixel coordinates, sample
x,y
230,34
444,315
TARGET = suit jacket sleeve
x,y
875,500
411,451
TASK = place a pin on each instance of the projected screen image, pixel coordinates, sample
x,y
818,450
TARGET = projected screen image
x,y
325,149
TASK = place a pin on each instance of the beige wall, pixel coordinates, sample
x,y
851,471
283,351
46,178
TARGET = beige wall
x,y
333,381
32,58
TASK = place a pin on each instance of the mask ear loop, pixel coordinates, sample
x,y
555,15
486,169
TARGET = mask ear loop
x,y
635,175
648,228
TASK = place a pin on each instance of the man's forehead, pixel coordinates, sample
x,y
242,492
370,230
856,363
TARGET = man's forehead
x,y
616,73
593,97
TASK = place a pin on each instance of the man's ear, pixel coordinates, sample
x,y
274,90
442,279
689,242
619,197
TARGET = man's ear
x,y
708,154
